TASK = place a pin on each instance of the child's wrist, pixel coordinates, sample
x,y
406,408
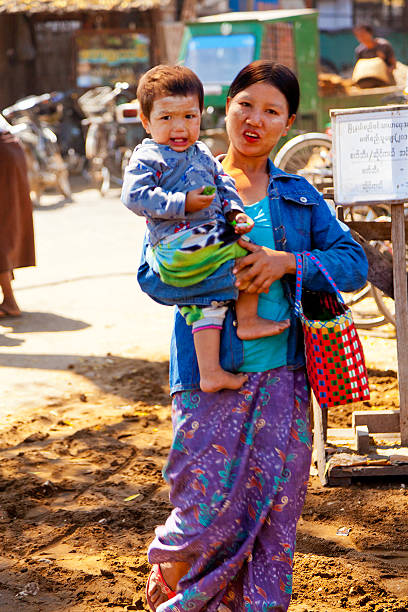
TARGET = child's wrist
x,y
232,215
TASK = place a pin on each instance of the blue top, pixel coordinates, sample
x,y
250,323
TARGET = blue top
x,y
301,221
157,180
264,354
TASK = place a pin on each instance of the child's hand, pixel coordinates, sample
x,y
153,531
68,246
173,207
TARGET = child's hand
x,y
242,223
195,200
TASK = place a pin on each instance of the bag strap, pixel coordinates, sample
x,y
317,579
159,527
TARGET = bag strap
x,y
298,289
299,275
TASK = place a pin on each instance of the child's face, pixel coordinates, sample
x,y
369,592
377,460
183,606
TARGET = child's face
x,y
174,121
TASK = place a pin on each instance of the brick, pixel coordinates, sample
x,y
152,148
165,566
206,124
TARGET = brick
x,y
377,421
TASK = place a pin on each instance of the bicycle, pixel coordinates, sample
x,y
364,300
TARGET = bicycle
x,y
310,155
45,165
108,142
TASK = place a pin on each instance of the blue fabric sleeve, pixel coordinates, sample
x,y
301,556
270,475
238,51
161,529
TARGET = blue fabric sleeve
x,y
142,194
333,244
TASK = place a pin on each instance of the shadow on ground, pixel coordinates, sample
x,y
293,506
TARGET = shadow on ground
x,y
42,322
137,380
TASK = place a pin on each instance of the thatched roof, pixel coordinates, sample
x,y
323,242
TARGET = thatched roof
x,y
74,6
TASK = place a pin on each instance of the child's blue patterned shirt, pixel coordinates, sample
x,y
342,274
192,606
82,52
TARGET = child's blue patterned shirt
x,y
157,180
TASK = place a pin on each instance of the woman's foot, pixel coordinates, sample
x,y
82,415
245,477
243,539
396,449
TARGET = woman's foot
x,y
6,311
215,380
162,582
9,306
257,327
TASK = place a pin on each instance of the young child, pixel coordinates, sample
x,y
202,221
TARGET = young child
x,y
191,234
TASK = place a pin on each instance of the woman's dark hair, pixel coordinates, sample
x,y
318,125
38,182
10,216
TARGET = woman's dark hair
x,y
265,71
364,26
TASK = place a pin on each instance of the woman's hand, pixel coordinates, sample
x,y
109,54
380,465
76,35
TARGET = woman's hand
x,y
257,271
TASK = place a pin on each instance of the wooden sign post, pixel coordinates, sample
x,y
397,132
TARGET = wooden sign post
x,y
370,166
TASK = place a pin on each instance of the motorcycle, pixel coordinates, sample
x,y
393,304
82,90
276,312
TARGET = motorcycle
x,y
46,168
64,116
113,131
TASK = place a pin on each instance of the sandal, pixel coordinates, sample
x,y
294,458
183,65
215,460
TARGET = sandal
x,y
156,573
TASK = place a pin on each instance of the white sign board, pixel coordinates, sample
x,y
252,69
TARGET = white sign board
x,y
370,154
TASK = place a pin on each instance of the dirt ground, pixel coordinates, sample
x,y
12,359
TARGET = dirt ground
x,y
81,492
84,436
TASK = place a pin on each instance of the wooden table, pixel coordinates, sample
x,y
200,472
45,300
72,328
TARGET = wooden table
x,y
396,230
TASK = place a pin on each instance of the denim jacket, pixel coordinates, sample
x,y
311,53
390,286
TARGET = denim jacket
x,y
157,180
302,221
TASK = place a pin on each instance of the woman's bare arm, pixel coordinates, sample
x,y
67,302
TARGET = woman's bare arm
x,y
257,271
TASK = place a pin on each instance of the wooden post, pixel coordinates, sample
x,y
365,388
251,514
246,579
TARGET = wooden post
x,y
401,312
188,11
319,439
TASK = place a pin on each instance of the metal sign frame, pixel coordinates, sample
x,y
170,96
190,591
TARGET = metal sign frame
x,y
357,133
370,154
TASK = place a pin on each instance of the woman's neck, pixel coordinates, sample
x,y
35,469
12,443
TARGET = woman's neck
x,y
250,175
249,165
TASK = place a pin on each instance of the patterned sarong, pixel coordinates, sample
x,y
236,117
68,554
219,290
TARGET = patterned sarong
x,y
238,471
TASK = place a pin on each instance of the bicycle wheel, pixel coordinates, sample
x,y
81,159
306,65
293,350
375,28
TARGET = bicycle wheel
x,y
385,305
216,140
114,164
374,307
64,185
96,152
367,212
363,305
125,159
105,181
308,155
62,175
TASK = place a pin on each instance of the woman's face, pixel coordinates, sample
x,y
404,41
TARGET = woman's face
x,y
256,118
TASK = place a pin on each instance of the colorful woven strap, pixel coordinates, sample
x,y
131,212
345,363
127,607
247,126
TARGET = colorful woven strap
x,y
299,275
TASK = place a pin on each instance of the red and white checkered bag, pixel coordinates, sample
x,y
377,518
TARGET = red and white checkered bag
x,y
334,355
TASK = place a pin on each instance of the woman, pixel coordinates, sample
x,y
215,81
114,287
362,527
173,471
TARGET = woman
x,y
239,463
16,218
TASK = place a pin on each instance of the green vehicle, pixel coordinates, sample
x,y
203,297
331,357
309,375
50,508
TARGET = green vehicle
x,y
218,46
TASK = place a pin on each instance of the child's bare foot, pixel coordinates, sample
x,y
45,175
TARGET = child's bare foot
x,y
219,379
257,327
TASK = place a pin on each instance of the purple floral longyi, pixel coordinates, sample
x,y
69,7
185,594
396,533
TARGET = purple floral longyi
x,y
238,471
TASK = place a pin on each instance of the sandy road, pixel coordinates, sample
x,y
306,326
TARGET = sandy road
x,y
81,299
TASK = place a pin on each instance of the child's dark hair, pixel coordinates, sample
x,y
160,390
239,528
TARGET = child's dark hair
x,y
266,71
162,81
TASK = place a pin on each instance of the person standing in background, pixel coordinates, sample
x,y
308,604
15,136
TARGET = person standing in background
x,y
16,218
370,46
